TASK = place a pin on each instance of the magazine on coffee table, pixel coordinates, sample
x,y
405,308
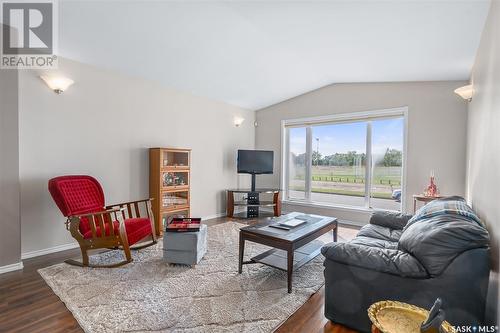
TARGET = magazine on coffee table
x,y
184,224
288,224
292,223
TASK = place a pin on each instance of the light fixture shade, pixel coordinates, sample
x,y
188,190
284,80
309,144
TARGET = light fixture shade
x,y
465,92
238,121
57,83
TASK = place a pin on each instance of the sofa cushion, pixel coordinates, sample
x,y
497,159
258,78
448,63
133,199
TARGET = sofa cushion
x,y
374,242
392,220
439,233
390,261
378,232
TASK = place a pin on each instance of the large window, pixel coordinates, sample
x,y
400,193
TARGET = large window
x,y
346,160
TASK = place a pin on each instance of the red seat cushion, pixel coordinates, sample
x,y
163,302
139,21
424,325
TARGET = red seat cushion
x,y
136,228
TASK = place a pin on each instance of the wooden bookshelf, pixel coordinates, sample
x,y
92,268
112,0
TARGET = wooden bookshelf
x,y
169,183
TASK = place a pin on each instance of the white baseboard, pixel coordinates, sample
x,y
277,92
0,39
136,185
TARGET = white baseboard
x,y
214,216
58,248
12,267
37,253
209,217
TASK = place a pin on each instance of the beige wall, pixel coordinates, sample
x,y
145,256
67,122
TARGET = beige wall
x,y
10,227
436,132
483,153
103,126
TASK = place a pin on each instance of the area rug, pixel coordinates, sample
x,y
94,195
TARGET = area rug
x,y
149,295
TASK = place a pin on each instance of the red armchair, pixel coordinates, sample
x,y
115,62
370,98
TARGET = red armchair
x,y
81,200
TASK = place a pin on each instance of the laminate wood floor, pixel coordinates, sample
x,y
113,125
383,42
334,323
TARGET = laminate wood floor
x,y
28,305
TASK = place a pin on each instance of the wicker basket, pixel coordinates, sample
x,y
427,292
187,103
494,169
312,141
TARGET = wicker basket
x,y
398,317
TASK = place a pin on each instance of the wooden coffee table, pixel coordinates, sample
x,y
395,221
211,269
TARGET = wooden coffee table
x,y
291,248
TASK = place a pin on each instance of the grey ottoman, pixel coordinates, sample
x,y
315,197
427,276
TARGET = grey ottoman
x,y
185,248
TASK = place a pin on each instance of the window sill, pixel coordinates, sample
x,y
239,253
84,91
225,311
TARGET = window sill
x,y
336,207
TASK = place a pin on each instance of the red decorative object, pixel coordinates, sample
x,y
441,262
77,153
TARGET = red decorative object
x,y
179,224
95,225
431,190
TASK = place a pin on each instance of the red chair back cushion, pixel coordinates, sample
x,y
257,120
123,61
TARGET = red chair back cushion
x,y
77,195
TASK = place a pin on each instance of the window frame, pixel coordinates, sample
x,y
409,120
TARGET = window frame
x,y
336,119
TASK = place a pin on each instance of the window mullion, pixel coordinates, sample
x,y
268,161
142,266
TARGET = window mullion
x,y
308,163
368,164
286,164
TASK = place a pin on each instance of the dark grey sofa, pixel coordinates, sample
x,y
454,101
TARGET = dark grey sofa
x,y
443,251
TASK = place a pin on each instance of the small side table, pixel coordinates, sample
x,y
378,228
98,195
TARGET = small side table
x,y
423,198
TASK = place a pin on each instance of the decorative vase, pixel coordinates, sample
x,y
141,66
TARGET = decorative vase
x,y
431,190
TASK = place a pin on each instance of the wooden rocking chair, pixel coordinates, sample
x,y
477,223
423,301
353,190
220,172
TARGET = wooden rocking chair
x,y
97,226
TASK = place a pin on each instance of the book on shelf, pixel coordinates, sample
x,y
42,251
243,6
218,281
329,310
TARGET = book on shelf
x,y
184,224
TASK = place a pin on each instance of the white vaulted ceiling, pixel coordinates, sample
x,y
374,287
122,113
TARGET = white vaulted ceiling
x,y
256,53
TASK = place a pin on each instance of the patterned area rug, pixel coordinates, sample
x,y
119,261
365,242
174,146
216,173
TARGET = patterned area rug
x,y
150,295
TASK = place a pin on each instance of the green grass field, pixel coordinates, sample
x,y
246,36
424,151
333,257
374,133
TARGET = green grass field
x,y
344,180
380,195
382,175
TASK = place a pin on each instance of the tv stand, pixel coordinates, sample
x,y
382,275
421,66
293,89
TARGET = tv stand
x,y
251,200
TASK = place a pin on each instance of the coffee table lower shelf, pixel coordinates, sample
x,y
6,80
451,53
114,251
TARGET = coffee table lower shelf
x,y
278,258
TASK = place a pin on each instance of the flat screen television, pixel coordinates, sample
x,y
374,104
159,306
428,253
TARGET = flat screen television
x,y
255,161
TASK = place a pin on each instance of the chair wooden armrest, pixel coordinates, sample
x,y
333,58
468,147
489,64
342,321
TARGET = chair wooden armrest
x,y
121,204
109,210
135,204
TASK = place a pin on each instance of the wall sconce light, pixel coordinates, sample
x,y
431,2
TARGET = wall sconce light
x,y
465,92
238,121
57,83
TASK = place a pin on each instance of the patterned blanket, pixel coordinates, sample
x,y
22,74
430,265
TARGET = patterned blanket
x,y
446,206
